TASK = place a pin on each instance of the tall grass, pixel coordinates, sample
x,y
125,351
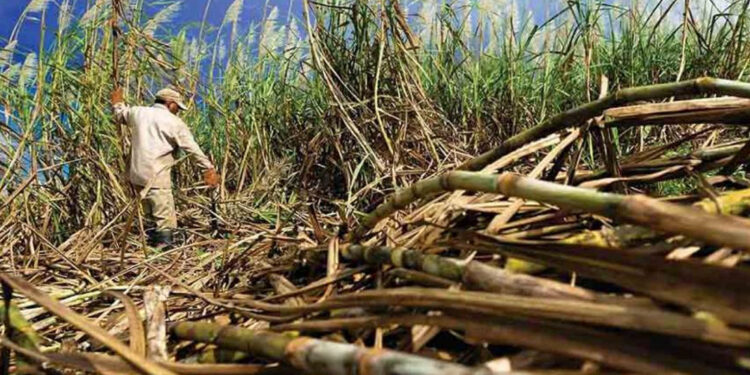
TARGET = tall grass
x,y
340,104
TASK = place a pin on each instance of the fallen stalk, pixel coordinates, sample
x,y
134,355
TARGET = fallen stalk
x,y
739,116
626,236
579,115
702,287
732,203
318,356
631,353
476,275
721,230
501,306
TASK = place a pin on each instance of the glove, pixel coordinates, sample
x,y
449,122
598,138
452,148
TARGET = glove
x,y
116,96
211,178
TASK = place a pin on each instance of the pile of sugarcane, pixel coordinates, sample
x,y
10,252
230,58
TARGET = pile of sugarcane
x,y
521,260
543,255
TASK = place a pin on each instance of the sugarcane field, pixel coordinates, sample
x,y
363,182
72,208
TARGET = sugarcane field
x,y
375,187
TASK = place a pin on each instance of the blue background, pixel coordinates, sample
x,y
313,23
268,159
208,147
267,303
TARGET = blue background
x,y
191,11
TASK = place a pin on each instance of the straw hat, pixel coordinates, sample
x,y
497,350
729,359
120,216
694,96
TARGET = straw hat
x,y
169,95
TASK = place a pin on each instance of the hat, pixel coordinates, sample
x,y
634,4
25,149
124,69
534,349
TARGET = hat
x,y
169,95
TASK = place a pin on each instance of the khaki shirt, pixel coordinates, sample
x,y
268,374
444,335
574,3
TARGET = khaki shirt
x,y
157,134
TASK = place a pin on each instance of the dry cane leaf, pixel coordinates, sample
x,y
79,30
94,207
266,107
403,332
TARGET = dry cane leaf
x,y
93,330
137,333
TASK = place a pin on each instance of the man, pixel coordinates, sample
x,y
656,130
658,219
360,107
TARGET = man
x,y
157,134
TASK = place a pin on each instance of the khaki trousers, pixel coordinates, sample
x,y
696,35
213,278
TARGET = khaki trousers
x,y
158,206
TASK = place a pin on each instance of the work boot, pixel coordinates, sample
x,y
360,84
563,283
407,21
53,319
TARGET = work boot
x,y
161,239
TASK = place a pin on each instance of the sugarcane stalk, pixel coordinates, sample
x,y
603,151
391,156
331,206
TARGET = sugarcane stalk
x,y
699,286
579,115
735,116
420,278
720,230
613,315
739,158
476,275
624,236
644,318
318,356
732,203
116,8
627,352
218,355
717,153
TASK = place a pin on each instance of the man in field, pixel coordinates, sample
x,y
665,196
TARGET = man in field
x,y
157,134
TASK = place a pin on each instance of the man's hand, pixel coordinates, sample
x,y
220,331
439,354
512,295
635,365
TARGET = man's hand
x,y
211,178
116,96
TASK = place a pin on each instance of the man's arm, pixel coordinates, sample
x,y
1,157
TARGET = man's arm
x,y
186,141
